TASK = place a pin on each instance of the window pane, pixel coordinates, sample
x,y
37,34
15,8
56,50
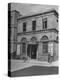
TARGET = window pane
x,y
23,47
45,47
24,26
45,23
33,25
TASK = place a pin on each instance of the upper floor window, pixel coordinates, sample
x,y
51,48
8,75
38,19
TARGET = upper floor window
x,y
45,23
33,25
57,20
24,27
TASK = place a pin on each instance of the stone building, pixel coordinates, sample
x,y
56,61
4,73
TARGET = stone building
x,y
34,36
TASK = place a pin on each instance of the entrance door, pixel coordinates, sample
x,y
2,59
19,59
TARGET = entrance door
x,y
31,50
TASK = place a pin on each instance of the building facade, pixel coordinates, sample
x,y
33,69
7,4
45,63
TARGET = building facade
x,y
34,36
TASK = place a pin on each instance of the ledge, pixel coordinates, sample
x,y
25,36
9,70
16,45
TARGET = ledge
x,y
38,31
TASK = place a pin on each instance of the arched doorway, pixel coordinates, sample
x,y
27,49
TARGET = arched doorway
x,y
32,48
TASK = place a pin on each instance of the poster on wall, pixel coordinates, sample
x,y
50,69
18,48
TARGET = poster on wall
x,y
29,43
50,48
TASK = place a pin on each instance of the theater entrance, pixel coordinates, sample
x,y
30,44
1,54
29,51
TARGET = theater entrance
x,y
32,51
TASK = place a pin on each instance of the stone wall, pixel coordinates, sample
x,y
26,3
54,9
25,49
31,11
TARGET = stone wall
x,y
51,22
50,35
13,27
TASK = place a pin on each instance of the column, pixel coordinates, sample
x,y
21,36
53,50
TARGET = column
x,y
39,50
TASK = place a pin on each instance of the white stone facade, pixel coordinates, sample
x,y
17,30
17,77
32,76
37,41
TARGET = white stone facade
x,y
34,40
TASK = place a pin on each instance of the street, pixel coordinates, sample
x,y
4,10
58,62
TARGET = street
x,y
35,70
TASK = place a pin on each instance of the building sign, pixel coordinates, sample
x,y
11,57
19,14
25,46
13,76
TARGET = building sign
x,y
50,48
18,49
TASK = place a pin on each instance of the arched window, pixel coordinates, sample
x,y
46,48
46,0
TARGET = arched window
x,y
44,40
33,39
23,40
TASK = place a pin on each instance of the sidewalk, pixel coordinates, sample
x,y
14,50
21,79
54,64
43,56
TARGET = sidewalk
x,y
41,63
20,64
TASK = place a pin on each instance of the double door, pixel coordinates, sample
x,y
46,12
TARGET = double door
x,y
32,51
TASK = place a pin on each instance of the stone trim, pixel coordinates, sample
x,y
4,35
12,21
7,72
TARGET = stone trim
x,y
51,11
38,31
39,41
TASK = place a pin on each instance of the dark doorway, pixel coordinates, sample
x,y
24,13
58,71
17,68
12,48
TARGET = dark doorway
x,y
31,50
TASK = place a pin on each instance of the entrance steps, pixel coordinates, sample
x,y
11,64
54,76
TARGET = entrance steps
x,y
42,63
36,62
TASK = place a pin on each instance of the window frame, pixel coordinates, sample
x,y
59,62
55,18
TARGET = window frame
x,y
45,23
45,47
24,26
23,47
34,25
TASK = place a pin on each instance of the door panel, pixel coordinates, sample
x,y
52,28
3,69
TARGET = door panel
x,y
34,50
31,50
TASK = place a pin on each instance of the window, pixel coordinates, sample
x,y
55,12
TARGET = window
x,y
23,47
57,39
33,25
33,39
45,23
57,20
45,47
24,27
44,40
23,41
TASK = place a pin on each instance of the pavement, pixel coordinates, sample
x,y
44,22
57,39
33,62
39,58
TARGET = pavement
x,y
20,64
35,71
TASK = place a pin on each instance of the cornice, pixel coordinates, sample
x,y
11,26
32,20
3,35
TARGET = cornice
x,y
38,31
51,11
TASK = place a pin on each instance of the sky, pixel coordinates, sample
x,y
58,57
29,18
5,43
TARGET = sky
x,y
26,9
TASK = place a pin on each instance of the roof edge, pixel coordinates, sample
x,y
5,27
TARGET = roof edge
x,y
15,11
54,11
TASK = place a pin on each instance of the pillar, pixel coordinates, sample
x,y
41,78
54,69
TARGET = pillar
x,y
39,50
